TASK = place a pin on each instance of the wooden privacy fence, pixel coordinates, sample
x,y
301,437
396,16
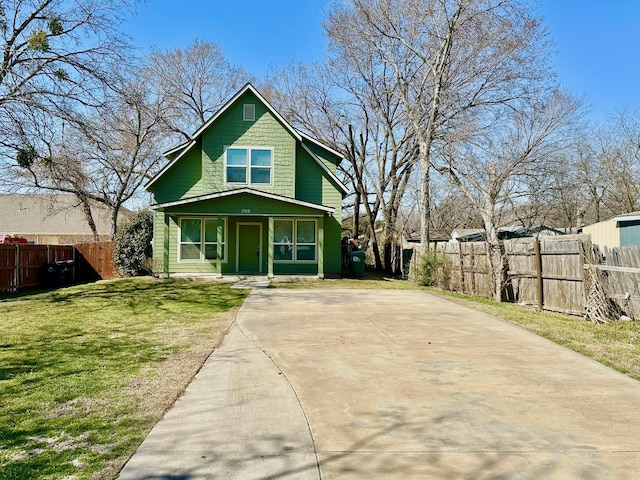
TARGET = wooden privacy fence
x,y
546,272
32,266
619,279
95,260
564,274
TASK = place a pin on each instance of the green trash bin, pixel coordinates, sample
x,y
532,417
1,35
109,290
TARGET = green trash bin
x,y
356,259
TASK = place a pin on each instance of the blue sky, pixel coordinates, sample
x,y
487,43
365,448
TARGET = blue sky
x,y
597,42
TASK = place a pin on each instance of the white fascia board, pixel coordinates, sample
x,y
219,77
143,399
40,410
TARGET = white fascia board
x,y
626,218
250,191
177,148
322,145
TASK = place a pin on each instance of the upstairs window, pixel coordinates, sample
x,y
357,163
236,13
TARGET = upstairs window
x,y
248,112
249,166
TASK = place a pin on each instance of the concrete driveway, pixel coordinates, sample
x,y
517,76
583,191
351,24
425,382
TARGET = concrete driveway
x,y
361,384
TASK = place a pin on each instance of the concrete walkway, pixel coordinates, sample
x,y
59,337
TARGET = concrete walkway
x,y
360,384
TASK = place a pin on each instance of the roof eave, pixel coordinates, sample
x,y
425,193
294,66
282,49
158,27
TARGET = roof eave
x,y
250,191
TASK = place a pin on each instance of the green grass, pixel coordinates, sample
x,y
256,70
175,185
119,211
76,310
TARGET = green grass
x,y
616,344
86,371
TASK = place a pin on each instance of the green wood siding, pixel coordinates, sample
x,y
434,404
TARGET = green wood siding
x,y
329,159
243,204
183,180
158,241
309,179
229,265
266,131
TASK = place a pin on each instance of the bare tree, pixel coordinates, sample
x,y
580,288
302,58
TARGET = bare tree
x,y
452,59
103,155
518,147
618,151
54,54
195,82
349,104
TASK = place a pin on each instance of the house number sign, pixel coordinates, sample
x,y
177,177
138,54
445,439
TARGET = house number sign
x,y
245,210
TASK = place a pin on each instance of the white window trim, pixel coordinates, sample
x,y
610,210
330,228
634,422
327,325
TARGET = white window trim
x,y
202,240
248,166
295,244
245,109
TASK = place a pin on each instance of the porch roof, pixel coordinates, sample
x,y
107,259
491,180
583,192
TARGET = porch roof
x,y
244,191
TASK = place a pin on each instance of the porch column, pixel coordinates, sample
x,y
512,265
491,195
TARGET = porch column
x,y
165,246
321,247
219,233
270,235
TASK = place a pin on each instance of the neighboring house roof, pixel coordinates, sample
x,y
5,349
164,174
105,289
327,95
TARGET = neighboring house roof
x,y
240,191
627,217
505,233
466,232
181,150
435,235
49,214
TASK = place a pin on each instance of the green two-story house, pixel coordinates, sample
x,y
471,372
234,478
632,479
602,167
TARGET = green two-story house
x,y
248,194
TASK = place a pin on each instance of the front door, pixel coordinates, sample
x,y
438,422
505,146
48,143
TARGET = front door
x,y
249,252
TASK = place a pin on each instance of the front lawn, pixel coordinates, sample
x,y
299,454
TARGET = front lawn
x,y
86,371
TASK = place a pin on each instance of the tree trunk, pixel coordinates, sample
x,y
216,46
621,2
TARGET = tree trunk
x,y
496,260
388,254
114,221
425,198
88,215
356,215
376,254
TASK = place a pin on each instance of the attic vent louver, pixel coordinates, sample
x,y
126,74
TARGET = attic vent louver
x,y
249,112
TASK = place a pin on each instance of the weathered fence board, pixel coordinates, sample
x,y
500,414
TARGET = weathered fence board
x,y
622,274
469,266
563,260
552,275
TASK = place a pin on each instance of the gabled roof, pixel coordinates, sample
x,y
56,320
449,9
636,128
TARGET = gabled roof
x,y
320,144
240,191
183,149
45,213
178,148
